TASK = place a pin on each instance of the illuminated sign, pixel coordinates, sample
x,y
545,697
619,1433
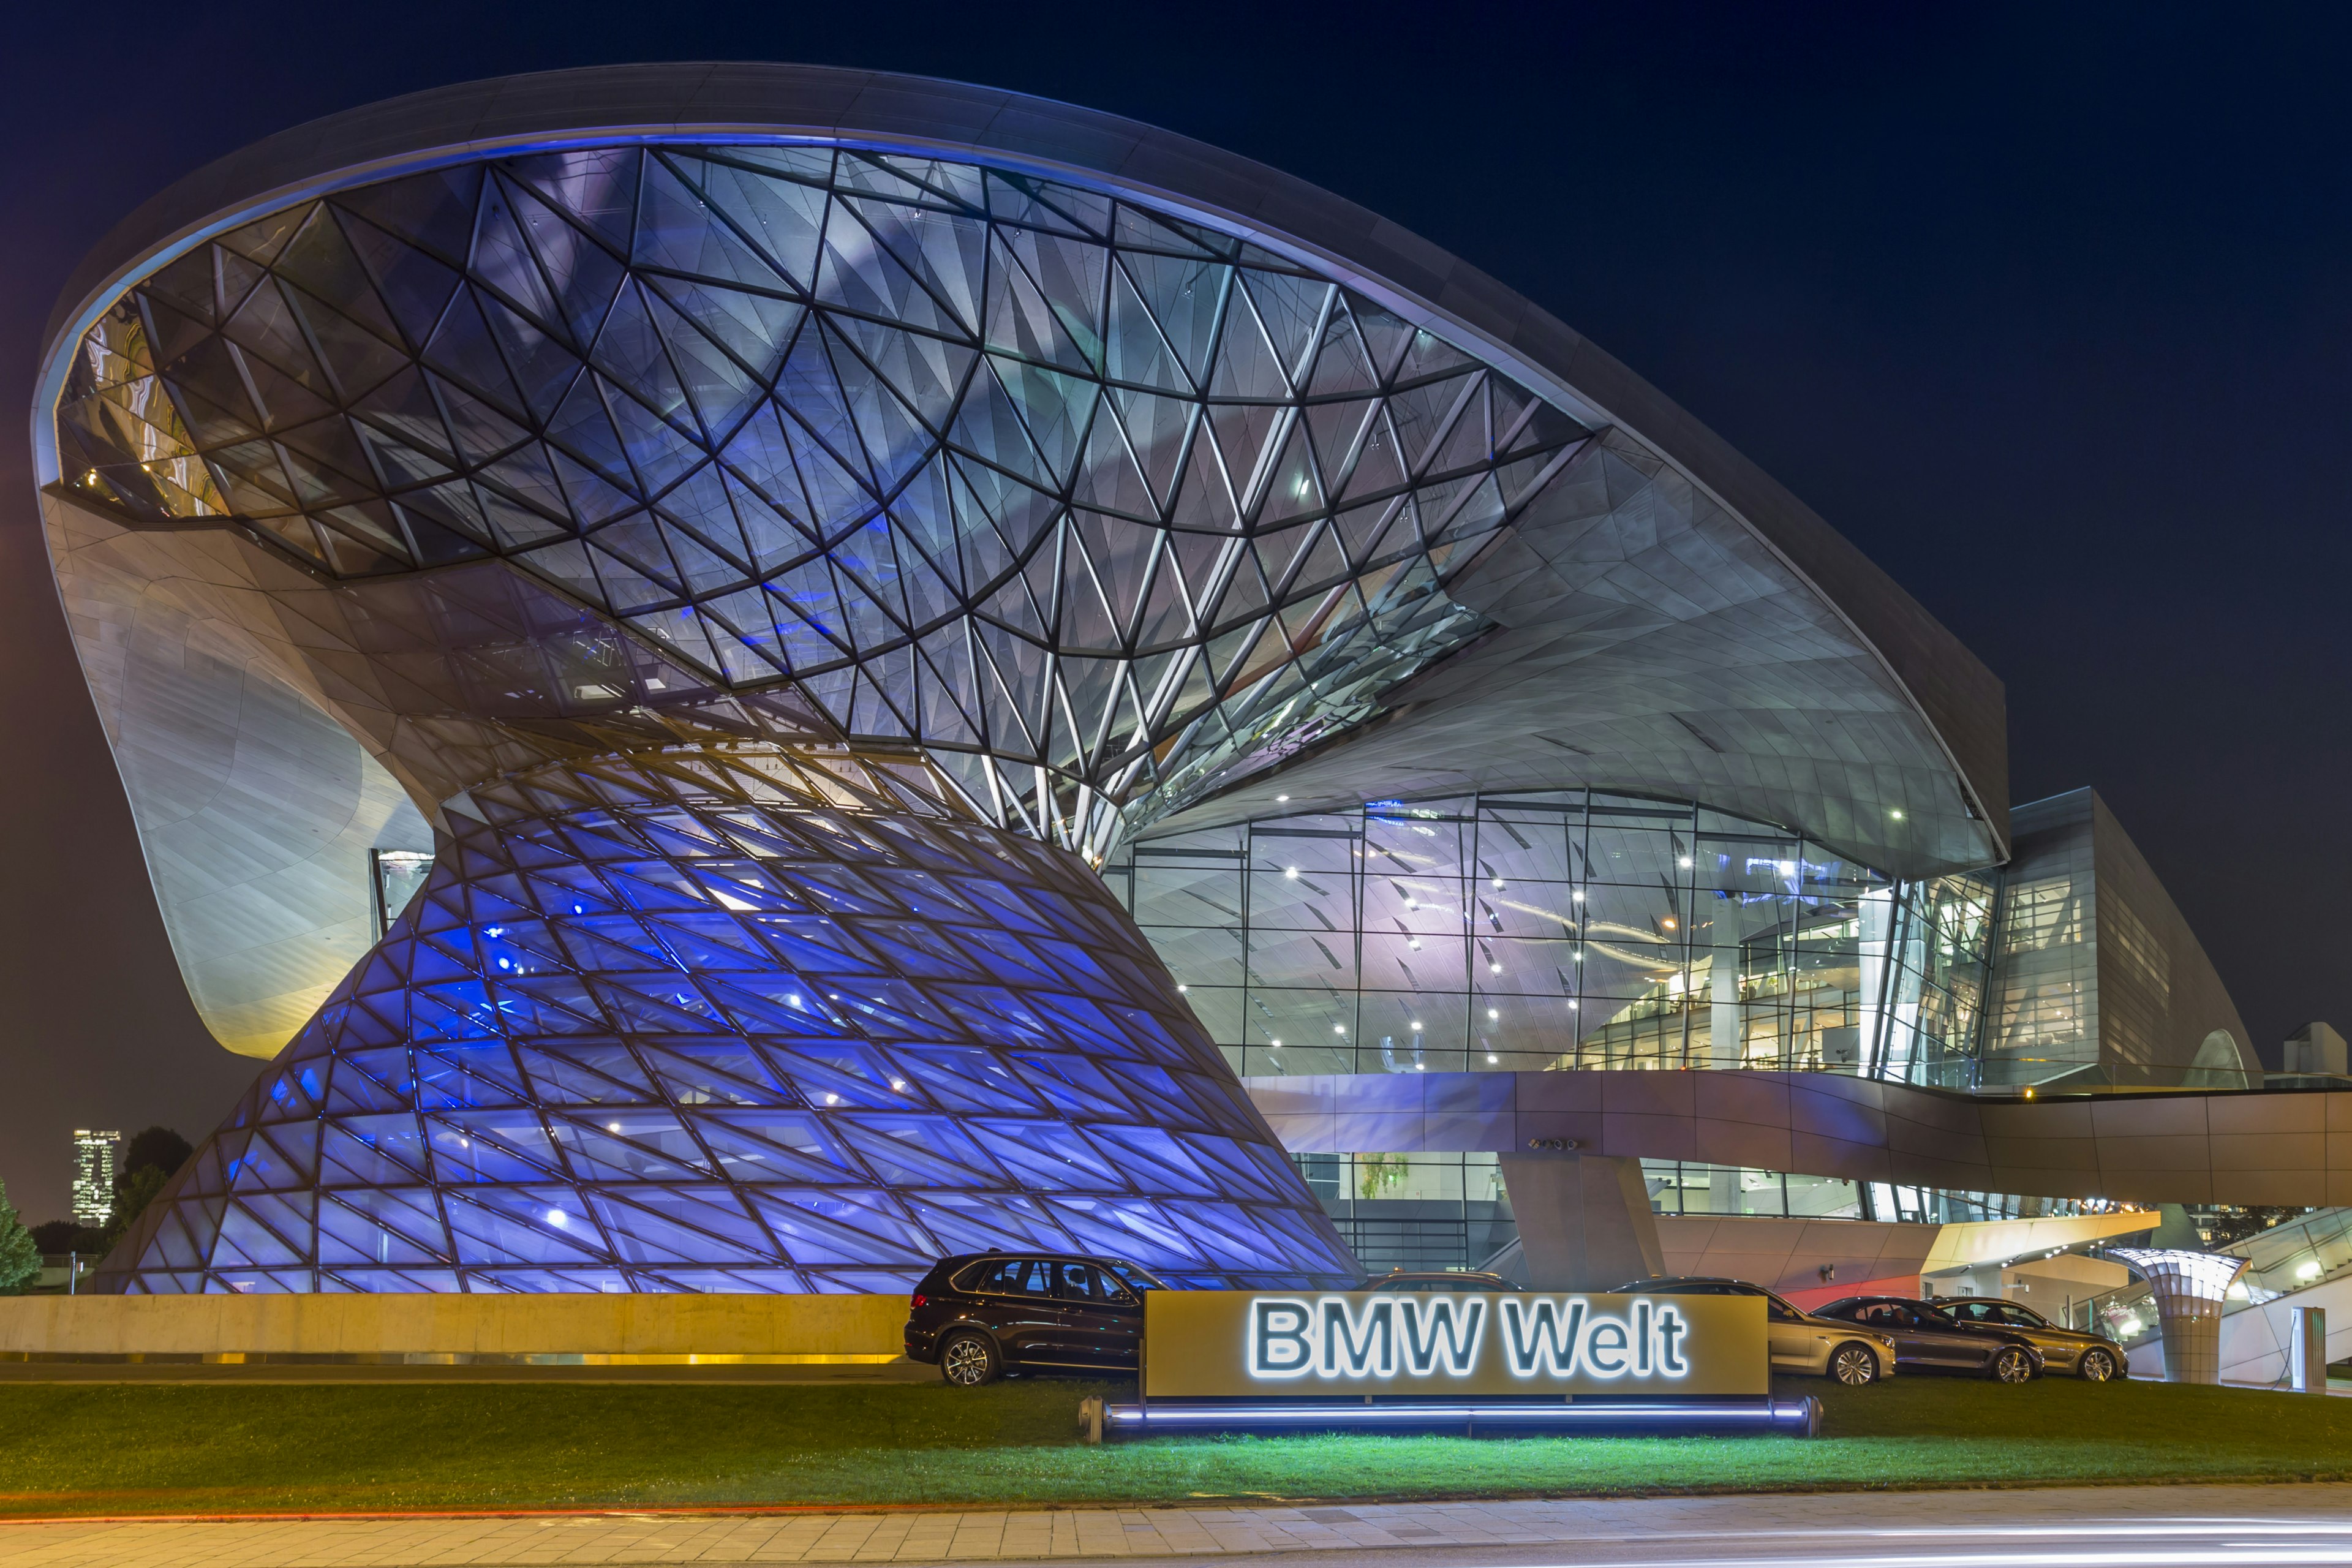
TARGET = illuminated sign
x,y
1234,1344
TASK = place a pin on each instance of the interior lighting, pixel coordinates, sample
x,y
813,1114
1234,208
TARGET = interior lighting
x,y
1491,1057
1685,862
1338,1028
1291,872
1495,968
1577,897
2307,1270
1494,1013
612,1127
558,1218
1896,815
1280,798
1416,1025
1669,922
1273,1044
1181,989
1499,884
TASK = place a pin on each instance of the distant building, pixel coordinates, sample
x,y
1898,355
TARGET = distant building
x,y
93,1183
2315,1049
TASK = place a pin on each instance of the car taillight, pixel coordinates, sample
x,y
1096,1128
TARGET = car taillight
x,y
915,1302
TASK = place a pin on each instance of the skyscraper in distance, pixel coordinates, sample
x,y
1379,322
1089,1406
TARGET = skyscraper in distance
x,y
93,1183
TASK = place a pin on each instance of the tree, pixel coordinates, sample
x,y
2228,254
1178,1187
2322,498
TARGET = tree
x,y
69,1235
151,1158
20,1255
157,1146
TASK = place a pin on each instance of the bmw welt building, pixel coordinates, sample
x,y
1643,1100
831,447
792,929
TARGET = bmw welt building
x,y
738,676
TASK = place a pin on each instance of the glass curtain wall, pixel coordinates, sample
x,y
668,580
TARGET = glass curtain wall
x,y
1570,929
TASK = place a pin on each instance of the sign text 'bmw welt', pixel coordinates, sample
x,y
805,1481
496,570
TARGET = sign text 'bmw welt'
x,y
1261,1344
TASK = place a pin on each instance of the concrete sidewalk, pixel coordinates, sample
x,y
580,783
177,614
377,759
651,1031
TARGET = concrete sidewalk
x,y
1655,1530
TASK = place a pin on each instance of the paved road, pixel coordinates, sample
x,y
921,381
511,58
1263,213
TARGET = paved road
x,y
2237,1527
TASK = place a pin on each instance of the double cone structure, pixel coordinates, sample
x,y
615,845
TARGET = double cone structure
x,y
773,533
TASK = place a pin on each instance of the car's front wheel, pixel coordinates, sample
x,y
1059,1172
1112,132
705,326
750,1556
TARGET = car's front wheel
x,y
968,1360
2096,1366
1853,1365
2012,1364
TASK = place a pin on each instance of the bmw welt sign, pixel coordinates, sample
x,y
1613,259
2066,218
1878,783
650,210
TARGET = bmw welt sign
x,y
1259,1344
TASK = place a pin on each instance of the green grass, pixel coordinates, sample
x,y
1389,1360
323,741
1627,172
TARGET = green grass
x,y
198,1447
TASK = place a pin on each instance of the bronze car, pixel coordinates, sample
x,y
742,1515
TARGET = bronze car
x,y
1799,1340
2093,1358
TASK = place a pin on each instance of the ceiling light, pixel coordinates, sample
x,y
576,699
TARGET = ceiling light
x,y
1494,969
1685,862
1490,1055
1338,1028
1290,871
1416,1025
1280,798
1273,1044
1493,1013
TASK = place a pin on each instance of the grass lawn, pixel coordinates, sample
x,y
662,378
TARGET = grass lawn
x,y
197,1447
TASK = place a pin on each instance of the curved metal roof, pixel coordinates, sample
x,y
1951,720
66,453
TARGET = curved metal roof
x,y
1654,615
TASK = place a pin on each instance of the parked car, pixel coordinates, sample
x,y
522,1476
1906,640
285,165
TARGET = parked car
x,y
2093,1358
1800,1341
979,1316
1440,1280
1927,1337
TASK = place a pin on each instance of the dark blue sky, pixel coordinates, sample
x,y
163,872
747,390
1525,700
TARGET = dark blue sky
x,y
2045,307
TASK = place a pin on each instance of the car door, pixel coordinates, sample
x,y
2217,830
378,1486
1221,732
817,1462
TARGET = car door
x,y
1792,1339
1016,1302
1915,1343
1102,1322
1945,1342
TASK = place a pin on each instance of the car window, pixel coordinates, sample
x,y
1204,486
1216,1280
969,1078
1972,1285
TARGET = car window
x,y
1080,1282
1014,1277
1976,1311
1931,1317
2022,1317
1885,1314
1135,1277
1778,1309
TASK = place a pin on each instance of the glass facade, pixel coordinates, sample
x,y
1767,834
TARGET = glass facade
x,y
1570,929
735,1022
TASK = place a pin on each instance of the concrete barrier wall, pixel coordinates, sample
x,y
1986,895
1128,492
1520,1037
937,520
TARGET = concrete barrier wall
x,y
768,1327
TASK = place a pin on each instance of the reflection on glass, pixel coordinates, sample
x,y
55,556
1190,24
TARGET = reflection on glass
x,y
1568,929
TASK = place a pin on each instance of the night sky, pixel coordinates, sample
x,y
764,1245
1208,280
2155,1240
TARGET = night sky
x,y
2045,307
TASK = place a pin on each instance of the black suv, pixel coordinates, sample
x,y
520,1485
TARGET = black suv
x,y
979,1316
